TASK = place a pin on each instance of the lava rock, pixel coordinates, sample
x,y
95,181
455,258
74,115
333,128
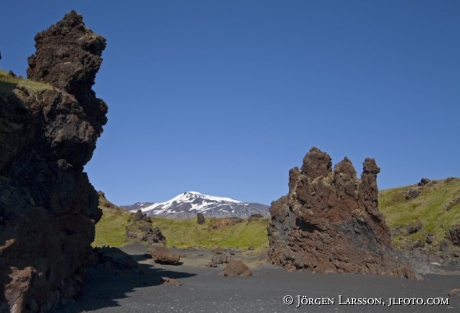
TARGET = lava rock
x,y
423,182
48,206
200,218
329,221
454,233
236,268
412,194
153,235
164,256
414,229
138,216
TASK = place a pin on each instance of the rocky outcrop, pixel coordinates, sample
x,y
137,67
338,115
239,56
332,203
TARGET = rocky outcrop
x,y
140,228
68,57
330,223
200,218
454,233
48,132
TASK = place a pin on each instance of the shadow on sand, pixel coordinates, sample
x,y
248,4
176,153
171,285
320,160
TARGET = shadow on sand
x,y
106,283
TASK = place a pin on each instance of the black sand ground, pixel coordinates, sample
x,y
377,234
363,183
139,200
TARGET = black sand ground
x,y
204,290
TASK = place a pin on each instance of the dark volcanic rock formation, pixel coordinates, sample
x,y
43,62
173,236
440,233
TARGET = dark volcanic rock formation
x,y
330,222
48,132
68,57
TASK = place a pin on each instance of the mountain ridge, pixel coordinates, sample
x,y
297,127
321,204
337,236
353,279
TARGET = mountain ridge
x,y
190,203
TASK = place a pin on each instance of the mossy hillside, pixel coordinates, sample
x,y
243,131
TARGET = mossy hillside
x,y
111,229
188,233
437,207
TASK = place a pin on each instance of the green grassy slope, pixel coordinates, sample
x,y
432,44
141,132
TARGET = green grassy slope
x,y
188,233
437,207
110,231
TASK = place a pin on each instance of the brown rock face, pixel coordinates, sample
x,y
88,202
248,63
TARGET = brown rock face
x,y
330,223
68,57
48,208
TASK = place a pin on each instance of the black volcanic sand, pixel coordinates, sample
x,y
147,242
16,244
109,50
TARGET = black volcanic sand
x,y
204,290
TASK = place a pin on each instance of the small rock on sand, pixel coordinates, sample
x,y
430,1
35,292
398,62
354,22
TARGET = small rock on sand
x,y
236,268
171,281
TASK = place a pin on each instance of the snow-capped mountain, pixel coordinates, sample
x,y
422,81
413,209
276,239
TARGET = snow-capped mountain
x,y
188,204
137,206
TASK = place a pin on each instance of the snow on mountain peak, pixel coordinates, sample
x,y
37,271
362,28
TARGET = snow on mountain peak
x,y
189,195
193,199
189,203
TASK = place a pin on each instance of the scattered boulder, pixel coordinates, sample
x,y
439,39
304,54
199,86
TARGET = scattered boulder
x,y
200,218
413,229
236,268
171,281
153,235
222,255
218,250
138,216
423,182
429,238
211,264
444,246
454,292
140,228
164,256
412,194
418,244
221,258
12,74
454,233
329,221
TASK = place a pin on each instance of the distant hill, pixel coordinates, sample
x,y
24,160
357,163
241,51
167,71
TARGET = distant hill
x,y
421,216
137,206
116,223
188,204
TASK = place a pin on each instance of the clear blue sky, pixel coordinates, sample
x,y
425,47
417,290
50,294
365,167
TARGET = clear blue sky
x,y
224,97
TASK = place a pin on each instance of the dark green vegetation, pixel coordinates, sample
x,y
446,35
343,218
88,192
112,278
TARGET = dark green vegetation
x,y
437,208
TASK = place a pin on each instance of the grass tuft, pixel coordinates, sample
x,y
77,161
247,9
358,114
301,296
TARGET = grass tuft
x,y
9,82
